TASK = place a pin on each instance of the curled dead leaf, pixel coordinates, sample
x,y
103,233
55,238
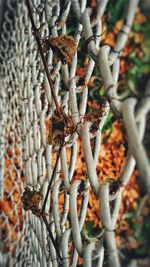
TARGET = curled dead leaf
x,y
60,127
30,200
63,47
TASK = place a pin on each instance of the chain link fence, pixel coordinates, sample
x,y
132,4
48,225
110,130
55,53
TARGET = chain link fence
x,y
40,136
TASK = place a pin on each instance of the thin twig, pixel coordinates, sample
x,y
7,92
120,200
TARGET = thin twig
x,y
36,35
51,236
52,178
43,208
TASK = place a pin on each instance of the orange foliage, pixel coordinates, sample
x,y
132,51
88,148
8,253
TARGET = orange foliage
x,y
93,4
7,209
7,164
124,66
9,152
81,72
112,154
16,196
17,151
11,195
110,39
8,184
93,105
139,18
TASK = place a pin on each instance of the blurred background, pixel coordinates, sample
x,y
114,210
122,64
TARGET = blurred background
x,y
133,229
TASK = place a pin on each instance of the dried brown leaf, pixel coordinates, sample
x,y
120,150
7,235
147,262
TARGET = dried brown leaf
x,y
60,127
30,200
63,46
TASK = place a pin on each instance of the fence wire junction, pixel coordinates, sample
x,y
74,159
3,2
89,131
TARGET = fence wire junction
x,y
43,115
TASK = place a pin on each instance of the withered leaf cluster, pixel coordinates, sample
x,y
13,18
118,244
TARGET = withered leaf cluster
x,y
30,200
63,47
60,127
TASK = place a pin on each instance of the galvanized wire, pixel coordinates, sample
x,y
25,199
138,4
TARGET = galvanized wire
x,y
30,157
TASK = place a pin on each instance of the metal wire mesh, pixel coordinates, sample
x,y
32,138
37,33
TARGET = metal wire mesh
x,y
28,157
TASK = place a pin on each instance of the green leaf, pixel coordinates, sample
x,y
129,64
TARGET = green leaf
x,y
135,59
137,27
108,124
106,139
146,29
102,92
131,85
90,228
134,70
116,9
